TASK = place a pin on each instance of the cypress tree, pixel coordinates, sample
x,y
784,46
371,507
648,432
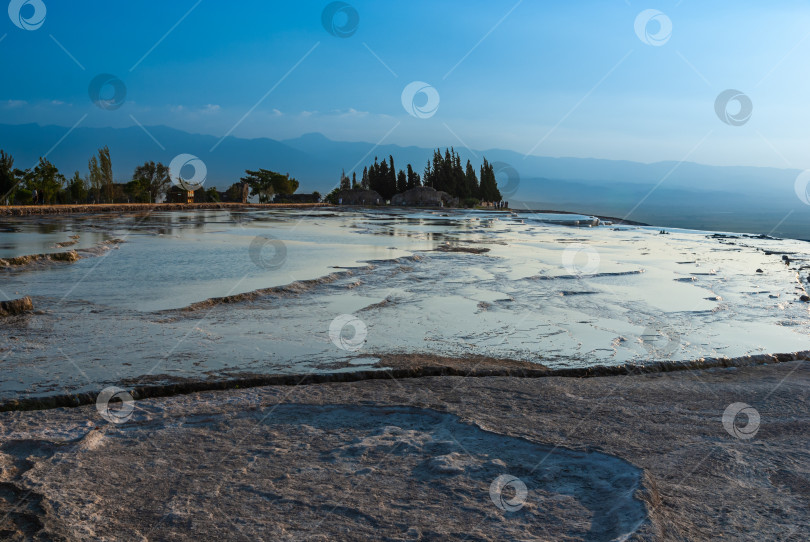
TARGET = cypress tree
x,y
459,184
391,180
382,179
471,181
428,178
489,185
413,178
437,170
344,180
402,182
447,172
8,180
374,177
444,172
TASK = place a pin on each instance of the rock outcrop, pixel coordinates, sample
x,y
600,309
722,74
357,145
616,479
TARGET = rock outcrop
x,y
424,196
22,261
16,306
360,197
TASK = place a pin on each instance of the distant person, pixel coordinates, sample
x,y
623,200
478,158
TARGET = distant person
x,y
244,192
34,197
340,201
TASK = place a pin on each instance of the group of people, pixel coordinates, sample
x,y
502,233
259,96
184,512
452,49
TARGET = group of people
x,y
496,204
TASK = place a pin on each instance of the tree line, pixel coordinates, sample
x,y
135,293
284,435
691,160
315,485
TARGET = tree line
x,y
150,183
265,184
443,172
46,185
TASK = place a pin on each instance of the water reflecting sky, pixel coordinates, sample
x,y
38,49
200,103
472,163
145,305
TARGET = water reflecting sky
x,y
555,294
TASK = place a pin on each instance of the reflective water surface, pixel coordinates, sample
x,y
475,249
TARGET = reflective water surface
x,y
551,289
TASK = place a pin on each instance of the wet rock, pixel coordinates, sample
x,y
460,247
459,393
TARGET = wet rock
x,y
456,248
69,256
760,271
23,261
805,298
16,306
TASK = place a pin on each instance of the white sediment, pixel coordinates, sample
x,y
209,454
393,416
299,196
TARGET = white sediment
x,y
555,295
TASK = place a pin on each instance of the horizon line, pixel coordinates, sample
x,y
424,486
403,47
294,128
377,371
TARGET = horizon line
x,y
474,151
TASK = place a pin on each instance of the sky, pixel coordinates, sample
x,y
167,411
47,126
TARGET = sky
x,y
608,79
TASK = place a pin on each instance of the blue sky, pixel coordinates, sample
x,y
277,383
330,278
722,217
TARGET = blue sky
x,y
551,78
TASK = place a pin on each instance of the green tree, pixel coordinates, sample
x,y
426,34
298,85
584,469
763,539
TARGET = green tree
x,y
444,171
470,182
345,183
212,195
234,192
94,179
151,181
364,182
402,182
390,180
46,180
382,179
76,190
376,175
332,197
100,177
136,192
105,169
265,183
489,185
413,178
427,179
8,178
459,182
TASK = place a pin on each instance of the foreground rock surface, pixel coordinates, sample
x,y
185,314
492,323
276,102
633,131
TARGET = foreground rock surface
x,y
644,456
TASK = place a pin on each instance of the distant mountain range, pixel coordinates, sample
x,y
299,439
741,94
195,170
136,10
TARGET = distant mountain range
x,y
746,199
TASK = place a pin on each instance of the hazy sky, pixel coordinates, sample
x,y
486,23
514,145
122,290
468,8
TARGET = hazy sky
x,y
585,79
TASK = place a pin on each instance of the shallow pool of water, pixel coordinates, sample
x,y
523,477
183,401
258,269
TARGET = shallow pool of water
x,y
325,289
